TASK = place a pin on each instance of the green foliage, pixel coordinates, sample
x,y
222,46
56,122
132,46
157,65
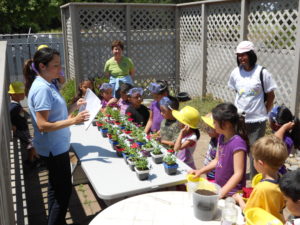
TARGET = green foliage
x,y
203,104
44,15
142,163
148,145
170,159
157,151
97,83
68,91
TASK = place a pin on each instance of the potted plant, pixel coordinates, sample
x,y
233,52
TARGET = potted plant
x,y
140,139
132,158
157,155
142,168
170,164
120,147
99,125
147,148
125,153
104,130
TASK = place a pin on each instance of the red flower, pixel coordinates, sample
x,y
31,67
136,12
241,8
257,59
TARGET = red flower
x,y
134,145
108,115
129,114
99,124
130,119
170,151
120,149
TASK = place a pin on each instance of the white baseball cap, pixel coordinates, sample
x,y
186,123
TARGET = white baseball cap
x,y
244,46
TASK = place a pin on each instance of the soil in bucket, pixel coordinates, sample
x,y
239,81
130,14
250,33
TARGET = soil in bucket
x,y
205,203
205,192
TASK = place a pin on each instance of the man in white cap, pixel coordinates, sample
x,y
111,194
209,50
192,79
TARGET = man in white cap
x,y
254,87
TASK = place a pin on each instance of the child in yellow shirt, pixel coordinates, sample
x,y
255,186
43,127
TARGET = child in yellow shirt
x,y
269,154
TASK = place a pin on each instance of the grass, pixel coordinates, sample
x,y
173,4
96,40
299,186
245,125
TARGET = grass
x,y
203,104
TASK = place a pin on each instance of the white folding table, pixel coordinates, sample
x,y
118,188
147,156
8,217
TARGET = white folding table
x,y
109,175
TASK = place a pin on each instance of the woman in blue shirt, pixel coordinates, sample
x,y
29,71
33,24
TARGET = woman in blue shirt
x,y
51,133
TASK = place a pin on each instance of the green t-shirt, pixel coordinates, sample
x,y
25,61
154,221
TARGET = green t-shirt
x,y
118,69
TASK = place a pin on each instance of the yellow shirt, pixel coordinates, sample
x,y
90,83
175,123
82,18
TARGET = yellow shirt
x,y
267,195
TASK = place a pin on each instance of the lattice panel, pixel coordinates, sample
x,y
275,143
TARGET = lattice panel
x,y
272,27
152,41
190,49
99,26
70,56
223,33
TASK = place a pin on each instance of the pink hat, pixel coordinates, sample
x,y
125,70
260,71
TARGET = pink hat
x,y
244,46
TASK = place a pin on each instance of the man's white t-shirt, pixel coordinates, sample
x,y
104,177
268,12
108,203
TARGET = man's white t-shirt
x,y
249,93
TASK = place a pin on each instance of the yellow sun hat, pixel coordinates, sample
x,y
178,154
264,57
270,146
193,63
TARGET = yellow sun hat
x,y
42,46
208,119
188,116
256,216
16,87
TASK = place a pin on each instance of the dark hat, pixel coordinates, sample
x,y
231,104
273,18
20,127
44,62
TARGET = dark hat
x,y
183,97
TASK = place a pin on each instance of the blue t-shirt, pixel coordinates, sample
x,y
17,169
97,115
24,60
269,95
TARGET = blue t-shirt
x,y
43,96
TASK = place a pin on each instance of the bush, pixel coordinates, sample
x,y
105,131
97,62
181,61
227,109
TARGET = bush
x,y
68,91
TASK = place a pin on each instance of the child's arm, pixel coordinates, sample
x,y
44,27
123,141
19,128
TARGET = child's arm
x,y
112,101
166,142
212,165
283,129
239,199
149,123
178,145
238,167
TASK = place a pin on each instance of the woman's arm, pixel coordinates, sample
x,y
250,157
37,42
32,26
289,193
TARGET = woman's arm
x,y
270,100
238,167
132,73
149,123
45,126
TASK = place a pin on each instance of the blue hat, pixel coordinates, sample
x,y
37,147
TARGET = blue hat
x,y
274,113
106,86
136,90
154,88
165,101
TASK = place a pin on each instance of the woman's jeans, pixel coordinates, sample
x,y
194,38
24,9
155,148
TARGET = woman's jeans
x,y
59,187
115,81
254,132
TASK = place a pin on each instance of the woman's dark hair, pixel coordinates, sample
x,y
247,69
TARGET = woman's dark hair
x,y
117,43
228,112
252,58
164,87
124,88
284,115
31,66
289,184
79,91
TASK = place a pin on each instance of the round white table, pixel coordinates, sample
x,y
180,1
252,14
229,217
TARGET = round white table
x,y
156,208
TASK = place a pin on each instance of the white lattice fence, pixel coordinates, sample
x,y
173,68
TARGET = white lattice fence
x,y
194,42
148,34
190,49
272,27
152,41
222,36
